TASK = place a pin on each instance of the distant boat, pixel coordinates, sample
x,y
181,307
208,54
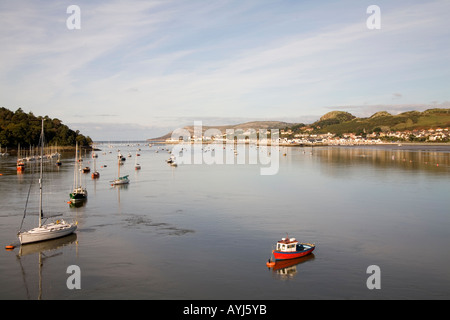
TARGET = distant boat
x,y
121,157
290,248
121,180
172,161
58,161
53,230
4,153
20,163
79,193
137,166
95,174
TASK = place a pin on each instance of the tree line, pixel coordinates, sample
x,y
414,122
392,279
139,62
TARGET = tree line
x,y
23,128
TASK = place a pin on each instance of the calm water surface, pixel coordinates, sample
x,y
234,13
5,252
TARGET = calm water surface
x,y
207,231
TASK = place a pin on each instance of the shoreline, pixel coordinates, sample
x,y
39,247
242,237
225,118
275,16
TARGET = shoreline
x,y
319,144
407,146
58,149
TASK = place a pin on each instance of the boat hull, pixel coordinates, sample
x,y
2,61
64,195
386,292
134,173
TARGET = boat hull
x,y
120,181
282,255
47,232
78,196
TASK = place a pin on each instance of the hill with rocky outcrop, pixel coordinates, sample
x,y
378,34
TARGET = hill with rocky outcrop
x,y
339,122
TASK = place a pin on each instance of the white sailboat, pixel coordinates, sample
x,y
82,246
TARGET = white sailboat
x,y
53,230
121,179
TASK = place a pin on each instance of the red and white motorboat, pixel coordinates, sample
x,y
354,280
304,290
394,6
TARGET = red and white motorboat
x,y
290,248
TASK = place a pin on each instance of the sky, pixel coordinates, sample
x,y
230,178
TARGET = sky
x,y
139,69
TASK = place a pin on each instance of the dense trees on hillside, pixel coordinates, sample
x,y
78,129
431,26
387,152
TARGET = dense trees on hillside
x,y
24,128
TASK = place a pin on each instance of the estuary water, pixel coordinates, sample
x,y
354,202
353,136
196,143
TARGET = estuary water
x,y
206,231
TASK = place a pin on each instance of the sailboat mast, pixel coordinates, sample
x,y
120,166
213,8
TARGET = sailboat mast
x,y
75,174
40,175
118,164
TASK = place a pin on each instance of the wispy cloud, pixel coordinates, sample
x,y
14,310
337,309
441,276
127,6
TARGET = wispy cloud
x,y
396,96
143,61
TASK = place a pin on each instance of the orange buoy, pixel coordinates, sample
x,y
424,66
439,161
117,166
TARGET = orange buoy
x,y
9,247
270,263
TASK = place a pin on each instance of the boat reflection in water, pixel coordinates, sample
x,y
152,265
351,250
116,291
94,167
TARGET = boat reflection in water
x,y
45,250
40,247
287,269
77,204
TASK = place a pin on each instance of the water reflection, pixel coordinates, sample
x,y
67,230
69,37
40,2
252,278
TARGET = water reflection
x,y
78,203
423,159
375,201
287,269
45,251
49,245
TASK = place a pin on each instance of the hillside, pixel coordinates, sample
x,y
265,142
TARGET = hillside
x,y
340,122
384,121
18,127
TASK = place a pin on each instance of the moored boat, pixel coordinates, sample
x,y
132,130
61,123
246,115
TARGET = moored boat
x,y
53,230
121,180
137,166
20,166
79,192
42,232
290,248
20,163
95,174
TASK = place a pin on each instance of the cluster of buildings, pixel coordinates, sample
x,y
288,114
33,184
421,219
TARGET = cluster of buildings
x,y
429,135
438,134
288,137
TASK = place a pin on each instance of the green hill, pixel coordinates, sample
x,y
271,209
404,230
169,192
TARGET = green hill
x,y
339,122
24,128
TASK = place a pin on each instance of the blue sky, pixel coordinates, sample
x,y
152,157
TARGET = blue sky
x,y
139,69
